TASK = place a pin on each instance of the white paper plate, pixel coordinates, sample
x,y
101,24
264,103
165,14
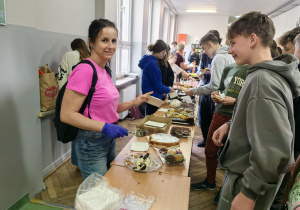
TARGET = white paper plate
x,y
139,146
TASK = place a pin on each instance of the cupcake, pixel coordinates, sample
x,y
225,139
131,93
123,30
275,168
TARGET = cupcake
x,y
171,151
169,158
179,158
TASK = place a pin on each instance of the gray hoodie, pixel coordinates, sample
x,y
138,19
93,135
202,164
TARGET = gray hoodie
x,y
261,137
220,60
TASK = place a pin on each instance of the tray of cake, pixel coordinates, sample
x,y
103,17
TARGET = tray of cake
x,y
180,132
184,116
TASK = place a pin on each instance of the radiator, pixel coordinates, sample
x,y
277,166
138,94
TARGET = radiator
x,y
127,94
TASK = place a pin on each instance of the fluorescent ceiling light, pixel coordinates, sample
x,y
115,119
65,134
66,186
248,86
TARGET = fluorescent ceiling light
x,y
201,10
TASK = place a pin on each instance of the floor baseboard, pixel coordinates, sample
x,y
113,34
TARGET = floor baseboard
x,y
49,170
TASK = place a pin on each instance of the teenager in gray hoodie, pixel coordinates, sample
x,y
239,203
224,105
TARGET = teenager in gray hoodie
x,y
221,58
261,136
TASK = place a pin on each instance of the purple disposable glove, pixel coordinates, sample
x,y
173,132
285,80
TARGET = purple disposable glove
x,y
114,131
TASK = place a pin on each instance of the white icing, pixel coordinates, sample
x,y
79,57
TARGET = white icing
x,y
165,138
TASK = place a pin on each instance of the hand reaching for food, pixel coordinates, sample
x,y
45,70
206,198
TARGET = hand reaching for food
x,y
114,131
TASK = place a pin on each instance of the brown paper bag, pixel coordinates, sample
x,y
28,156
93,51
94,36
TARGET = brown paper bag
x,y
48,88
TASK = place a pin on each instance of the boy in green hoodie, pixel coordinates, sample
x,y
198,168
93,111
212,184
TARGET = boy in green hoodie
x,y
260,139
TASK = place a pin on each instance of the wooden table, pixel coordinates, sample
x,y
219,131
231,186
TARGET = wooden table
x,y
170,191
180,169
170,184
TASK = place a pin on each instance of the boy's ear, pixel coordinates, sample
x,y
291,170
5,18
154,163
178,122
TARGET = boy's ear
x,y
253,39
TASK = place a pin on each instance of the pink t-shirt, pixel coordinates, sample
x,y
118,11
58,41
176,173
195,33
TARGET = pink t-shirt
x,y
105,101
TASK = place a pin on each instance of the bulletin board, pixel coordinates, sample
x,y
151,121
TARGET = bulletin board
x,y
2,13
197,47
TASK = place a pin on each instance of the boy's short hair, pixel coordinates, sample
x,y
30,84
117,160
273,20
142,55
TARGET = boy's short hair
x,y
174,43
209,37
253,22
289,36
217,34
297,40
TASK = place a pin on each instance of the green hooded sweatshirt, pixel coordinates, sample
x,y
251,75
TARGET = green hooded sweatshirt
x,y
261,136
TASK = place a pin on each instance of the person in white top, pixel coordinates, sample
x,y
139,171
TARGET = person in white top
x,y
70,59
176,69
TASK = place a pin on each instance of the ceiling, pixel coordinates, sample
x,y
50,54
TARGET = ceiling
x,y
233,7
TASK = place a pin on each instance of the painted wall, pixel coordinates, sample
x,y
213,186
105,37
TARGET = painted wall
x,y
39,36
196,26
286,21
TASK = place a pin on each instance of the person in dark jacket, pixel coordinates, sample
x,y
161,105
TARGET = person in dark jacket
x,y
166,70
151,76
194,56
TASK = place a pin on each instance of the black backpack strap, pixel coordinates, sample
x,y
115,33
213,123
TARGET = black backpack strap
x,y
88,98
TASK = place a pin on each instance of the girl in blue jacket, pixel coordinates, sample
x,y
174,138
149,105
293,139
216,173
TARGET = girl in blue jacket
x,y
151,76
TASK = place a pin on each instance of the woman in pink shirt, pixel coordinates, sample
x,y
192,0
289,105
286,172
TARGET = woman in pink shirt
x,y
96,140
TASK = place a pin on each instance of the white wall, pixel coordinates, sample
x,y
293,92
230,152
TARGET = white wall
x,y
38,32
196,26
286,21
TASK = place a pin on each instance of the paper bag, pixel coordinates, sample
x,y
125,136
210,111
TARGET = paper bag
x,y
48,88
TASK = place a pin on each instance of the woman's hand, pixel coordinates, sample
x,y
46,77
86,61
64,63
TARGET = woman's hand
x,y
228,101
114,131
219,134
213,98
141,99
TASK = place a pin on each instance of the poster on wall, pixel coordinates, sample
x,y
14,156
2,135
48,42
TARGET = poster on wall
x,y
181,38
2,13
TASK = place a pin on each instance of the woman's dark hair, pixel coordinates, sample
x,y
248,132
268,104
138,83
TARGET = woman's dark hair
x,y
291,181
95,29
80,45
158,46
164,62
217,34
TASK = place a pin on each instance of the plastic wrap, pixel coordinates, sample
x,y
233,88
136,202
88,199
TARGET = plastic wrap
x,y
95,193
136,201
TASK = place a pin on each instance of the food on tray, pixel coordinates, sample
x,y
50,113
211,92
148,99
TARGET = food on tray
x,y
179,157
172,151
140,132
173,155
220,96
163,151
180,131
175,103
194,74
180,114
155,124
142,163
163,140
169,158
187,105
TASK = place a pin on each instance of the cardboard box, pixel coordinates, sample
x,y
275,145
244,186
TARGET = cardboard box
x,y
151,129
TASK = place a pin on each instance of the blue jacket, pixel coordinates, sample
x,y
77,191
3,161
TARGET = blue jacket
x,y
151,77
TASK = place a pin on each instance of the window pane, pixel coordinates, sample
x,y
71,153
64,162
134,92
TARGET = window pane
x,y
118,70
125,60
125,20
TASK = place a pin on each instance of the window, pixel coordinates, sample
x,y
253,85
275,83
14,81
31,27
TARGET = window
x,y
149,22
124,46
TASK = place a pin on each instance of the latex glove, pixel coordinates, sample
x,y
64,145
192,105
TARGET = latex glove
x,y
114,131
